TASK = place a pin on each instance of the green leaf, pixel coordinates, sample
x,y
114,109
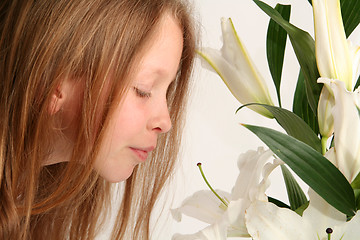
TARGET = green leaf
x,y
357,197
356,182
278,203
357,83
302,208
314,169
301,106
350,14
296,195
304,48
293,125
275,46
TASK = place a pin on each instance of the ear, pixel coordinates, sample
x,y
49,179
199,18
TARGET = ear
x,y
63,92
66,95
57,100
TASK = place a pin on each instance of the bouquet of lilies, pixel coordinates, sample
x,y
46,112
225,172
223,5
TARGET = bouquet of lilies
x,y
322,140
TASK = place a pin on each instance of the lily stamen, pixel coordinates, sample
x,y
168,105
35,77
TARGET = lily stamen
x,y
329,231
207,183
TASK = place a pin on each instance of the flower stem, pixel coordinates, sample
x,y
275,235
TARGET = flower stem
x,y
207,183
323,144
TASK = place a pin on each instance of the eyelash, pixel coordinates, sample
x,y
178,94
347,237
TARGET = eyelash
x,y
141,93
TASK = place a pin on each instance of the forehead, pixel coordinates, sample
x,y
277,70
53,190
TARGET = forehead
x,y
162,53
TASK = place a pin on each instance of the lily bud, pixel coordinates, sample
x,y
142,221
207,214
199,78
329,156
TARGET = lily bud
x,y
236,69
333,57
325,118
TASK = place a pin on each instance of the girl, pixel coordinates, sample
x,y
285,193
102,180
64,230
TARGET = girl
x,y
88,89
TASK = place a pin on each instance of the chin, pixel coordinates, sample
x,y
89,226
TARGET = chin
x,y
116,176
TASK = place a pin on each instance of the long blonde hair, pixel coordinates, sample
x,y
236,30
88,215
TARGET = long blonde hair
x,y
41,43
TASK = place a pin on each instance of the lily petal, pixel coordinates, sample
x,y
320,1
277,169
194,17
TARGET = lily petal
x,y
355,55
326,215
249,187
266,221
195,236
346,139
330,155
202,205
236,69
215,231
251,165
234,218
348,231
332,51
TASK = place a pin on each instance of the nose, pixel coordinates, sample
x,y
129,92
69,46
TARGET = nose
x,y
160,122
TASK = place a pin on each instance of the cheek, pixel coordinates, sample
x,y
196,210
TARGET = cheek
x,y
127,121
113,162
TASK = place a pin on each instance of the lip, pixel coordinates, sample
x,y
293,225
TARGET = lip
x,y
142,153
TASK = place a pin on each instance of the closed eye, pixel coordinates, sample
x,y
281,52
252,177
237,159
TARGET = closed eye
x,y
142,94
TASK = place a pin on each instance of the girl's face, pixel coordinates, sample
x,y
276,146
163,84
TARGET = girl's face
x,y
143,113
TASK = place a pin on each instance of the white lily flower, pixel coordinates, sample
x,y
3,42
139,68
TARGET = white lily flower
x,y
237,70
203,205
266,221
248,188
211,232
332,50
346,128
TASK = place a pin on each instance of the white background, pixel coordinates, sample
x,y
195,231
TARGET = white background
x,y
213,134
